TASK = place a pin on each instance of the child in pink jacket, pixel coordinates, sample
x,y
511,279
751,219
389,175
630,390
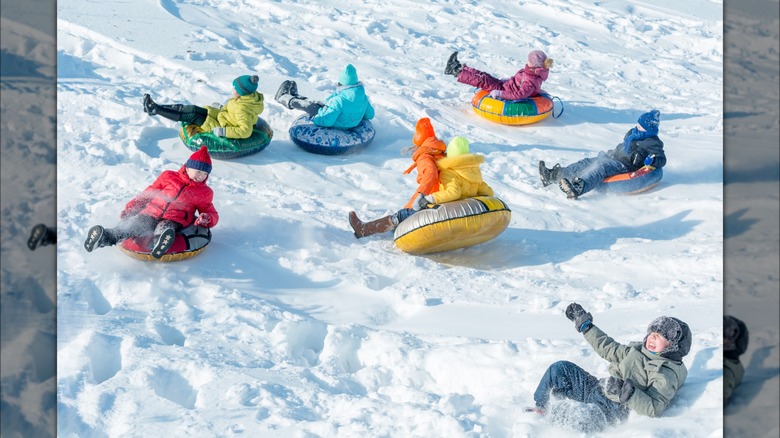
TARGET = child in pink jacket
x,y
524,84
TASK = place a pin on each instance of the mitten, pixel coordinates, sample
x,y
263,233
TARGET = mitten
x,y
613,386
582,319
649,160
203,220
216,105
496,94
626,391
219,131
421,202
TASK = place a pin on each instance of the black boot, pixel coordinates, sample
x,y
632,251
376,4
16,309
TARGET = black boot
x,y
37,237
163,243
548,176
170,112
98,237
573,188
149,106
453,65
363,229
287,91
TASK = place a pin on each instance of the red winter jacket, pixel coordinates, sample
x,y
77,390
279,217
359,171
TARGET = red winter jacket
x,y
174,196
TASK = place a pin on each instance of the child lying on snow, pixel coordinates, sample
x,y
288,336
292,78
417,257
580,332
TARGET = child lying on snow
x,y
735,342
641,146
643,376
236,119
525,83
165,207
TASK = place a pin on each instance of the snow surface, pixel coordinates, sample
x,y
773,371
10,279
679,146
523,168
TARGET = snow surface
x,y
288,326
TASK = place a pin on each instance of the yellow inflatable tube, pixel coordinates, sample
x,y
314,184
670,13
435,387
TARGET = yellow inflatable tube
x,y
453,225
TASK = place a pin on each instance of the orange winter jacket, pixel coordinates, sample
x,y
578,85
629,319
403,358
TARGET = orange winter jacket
x,y
425,157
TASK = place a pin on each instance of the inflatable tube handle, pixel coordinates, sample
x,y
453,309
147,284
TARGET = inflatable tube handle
x,y
561,102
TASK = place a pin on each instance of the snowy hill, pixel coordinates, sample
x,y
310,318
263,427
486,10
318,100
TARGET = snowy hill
x,y
287,325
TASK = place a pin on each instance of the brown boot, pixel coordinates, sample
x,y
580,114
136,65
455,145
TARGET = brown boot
x,y
363,229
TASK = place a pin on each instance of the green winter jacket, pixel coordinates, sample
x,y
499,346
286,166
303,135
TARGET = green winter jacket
x,y
238,116
733,371
656,379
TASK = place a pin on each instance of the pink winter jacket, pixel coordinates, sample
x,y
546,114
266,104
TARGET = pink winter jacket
x,y
525,83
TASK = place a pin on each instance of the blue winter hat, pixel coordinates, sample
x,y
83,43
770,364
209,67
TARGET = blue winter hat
x,y
650,120
245,84
348,76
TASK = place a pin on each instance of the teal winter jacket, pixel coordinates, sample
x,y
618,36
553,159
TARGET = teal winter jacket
x,y
345,108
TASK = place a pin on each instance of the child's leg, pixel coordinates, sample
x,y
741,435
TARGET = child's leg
x,y
566,379
140,225
164,235
310,107
592,171
472,76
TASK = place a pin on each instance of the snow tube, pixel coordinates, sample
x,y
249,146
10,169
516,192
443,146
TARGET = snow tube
x,y
226,148
634,182
330,141
453,225
188,243
514,112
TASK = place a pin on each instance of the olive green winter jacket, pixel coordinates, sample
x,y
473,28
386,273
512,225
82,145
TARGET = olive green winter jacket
x,y
733,371
656,379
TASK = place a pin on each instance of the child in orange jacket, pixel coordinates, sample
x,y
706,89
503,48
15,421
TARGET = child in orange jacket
x,y
427,150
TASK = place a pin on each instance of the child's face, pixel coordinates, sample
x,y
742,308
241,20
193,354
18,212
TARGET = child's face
x,y
197,175
656,343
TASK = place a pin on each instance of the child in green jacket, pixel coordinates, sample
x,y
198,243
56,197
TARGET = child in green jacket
x,y
644,376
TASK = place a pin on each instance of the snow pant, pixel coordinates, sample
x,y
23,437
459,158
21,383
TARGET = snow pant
x,y
566,379
310,107
472,76
140,225
592,171
190,114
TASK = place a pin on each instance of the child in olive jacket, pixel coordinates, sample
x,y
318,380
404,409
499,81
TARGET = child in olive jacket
x,y
644,376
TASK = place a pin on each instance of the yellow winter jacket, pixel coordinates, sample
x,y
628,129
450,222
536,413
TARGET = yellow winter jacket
x,y
460,178
237,116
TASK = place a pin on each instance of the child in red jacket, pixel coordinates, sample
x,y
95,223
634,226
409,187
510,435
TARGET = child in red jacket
x,y
165,207
524,84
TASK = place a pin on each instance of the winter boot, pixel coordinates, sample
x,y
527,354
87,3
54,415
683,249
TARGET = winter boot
x,y
98,237
149,106
548,176
37,237
287,91
363,229
163,243
573,188
453,65
170,112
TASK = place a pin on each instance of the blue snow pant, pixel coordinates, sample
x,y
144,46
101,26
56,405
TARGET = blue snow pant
x,y
565,379
592,171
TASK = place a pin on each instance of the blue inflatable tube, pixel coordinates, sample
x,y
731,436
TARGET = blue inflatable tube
x,y
634,182
330,141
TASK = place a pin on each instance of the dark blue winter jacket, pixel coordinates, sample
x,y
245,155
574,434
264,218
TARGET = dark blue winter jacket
x,y
638,150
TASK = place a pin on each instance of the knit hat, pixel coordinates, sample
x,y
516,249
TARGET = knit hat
x,y
245,84
735,337
457,146
536,58
422,131
676,332
650,120
348,76
200,160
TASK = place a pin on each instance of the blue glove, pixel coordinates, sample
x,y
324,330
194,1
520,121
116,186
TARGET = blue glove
x,y
496,94
218,131
649,160
421,202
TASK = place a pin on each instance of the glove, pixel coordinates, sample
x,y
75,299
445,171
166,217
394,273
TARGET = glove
x,y
216,105
218,131
583,320
203,220
421,202
623,389
496,94
649,160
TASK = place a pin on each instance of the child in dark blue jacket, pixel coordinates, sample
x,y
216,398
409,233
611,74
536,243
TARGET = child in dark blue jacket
x,y
641,146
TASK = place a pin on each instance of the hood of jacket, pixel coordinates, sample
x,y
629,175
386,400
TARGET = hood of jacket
x,y
466,166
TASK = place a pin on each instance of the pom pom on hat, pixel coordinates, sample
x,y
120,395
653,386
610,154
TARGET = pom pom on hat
x,y
457,146
245,84
423,131
348,76
536,58
200,160
650,120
